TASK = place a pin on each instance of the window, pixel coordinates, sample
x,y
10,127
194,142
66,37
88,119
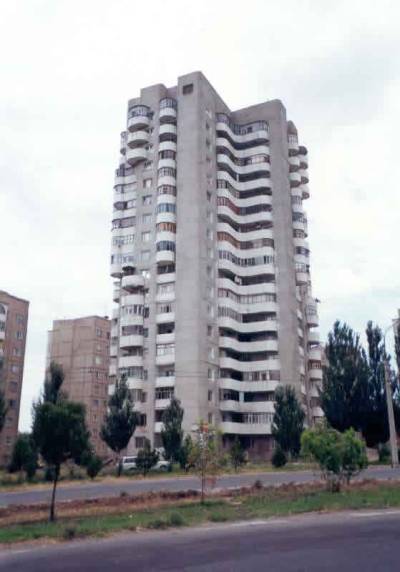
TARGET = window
x,y
98,360
146,273
165,308
165,245
13,385
17,352
146,218
147,199
121,240
210,395
209,331
147,183
188,88
166,208
166,227
19,335
166,288
164,393
166,172
165,349
20,319
166,190
99,333
146,236
148,164
167,154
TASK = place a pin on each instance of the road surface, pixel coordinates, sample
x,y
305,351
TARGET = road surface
x,y
345,542
134,486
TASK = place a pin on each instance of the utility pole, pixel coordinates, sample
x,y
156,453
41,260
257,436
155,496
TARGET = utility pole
x,y
389,402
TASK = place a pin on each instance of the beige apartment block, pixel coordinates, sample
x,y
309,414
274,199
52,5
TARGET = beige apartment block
x,y
13,330
211,262
82,346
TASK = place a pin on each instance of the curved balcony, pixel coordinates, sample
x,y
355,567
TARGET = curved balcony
x,y
299,225
249,252
138,122
294,161
315,374
132,281
130,361
166,217
248,347
165,317
304,176
131,341
268,288
165,278
122,147
116,269
262,182
132,299
258,135
245,236
165,256
248,327
245,202
305,191
162,403
295,179
245,428
166,130
138,138
293,144
165,235
302,278
249,308
258,149
314,354
166,163
167,115
225,160
165,381
131,320
165,338
166,198
313,337
167,146
246,218
135,156
166,359
247,386
246,270
166,180
247,406
245,366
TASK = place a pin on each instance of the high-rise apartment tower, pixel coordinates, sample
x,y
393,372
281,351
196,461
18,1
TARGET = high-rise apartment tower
x,y
82,347
13,330
211,261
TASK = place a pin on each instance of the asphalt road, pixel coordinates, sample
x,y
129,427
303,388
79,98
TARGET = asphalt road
x,y
345,542
134,486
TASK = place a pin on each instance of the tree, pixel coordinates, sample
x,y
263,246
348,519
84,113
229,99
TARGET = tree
x,y
121,420
184,453
172,433
288,420
344,378
146,458
59,429
24,456
279,458
93,466
237,454
340,456
374,419
205,455
397,346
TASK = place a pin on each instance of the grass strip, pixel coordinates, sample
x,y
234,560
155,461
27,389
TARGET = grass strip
x,y
263,504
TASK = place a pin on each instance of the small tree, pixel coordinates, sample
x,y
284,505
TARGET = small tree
x,y
185,452
205,456
93,466
121,420
59,429
340,456
172,433
146,458
279,458
24,456
288,420
237,454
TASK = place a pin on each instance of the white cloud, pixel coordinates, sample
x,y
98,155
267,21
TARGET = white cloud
x,y
68,68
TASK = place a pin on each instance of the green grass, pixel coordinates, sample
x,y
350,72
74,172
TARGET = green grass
x,y
265,504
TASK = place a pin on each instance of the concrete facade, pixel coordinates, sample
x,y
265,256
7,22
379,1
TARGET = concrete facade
x,y
13,330
211,262
82,347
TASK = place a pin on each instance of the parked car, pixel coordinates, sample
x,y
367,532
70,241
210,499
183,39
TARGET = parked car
x,y
129,464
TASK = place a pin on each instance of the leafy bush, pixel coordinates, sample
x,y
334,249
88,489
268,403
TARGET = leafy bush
x,y
237,454
279,458
218,517
69,533
158,523
340,455
146,458
176,519
93,466
384,453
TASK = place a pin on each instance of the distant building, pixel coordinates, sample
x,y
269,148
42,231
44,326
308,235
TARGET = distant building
x,y
82,346
212,264
13,329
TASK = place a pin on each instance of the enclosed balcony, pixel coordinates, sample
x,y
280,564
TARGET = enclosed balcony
x,y
135,156
245,428
132,282
137,122
168,107
138,138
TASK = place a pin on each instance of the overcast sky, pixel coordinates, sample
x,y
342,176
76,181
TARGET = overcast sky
x,y
67,69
